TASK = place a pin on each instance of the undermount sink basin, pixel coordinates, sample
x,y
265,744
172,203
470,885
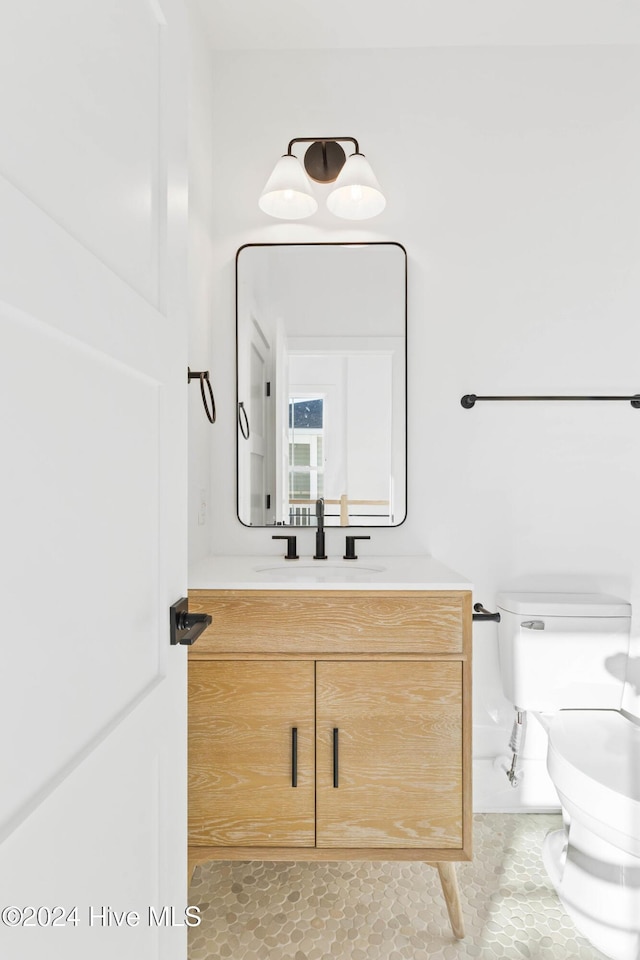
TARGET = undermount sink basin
x,y
255,572
318,572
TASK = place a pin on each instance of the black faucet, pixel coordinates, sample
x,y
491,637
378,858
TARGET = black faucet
x,y
291,553
351,547
320,554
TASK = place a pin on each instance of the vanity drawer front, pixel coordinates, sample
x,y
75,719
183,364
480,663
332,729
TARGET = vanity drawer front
x,y
296,621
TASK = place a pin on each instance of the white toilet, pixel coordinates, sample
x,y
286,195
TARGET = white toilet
x,y
563,657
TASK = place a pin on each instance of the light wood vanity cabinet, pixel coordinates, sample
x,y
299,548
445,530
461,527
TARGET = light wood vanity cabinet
x,y
332,725
248,719
398,727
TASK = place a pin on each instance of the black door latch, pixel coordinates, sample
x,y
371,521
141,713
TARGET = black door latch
x,y
186,627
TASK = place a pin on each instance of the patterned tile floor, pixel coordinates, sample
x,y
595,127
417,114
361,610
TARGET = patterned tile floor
x,y
390,911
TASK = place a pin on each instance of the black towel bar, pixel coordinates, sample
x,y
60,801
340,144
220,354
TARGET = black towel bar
x,y
469,400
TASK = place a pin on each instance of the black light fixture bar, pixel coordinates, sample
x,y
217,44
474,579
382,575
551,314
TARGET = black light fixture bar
x,y
469,400
325,158
322,140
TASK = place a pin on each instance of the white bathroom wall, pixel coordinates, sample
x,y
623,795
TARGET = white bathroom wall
x,y
512,179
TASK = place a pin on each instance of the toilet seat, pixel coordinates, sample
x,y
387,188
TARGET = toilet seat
x,y
594,762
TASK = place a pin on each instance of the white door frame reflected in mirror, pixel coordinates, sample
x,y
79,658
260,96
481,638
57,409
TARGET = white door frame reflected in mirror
x,y
324,325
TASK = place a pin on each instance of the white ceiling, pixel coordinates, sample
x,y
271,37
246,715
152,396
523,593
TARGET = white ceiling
x,y
317,24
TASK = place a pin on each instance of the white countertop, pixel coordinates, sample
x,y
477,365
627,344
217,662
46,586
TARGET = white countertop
x,y
365,573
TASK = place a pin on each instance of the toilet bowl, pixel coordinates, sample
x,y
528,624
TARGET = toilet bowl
x,y
554,656
594,861
594,762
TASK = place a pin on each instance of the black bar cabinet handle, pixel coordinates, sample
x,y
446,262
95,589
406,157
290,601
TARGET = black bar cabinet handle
x,y
294,756
335,756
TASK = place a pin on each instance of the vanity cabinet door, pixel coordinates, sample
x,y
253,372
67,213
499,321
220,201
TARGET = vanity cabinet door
x,y
398,770
251,777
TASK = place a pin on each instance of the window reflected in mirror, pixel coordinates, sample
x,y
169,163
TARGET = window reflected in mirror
x,y
306,459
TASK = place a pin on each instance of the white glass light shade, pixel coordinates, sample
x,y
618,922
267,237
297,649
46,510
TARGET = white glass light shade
x,y
287,193
357,194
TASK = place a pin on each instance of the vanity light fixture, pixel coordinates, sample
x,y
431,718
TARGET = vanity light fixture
x,y
288,193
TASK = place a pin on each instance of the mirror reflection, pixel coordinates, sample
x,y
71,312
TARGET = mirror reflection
x,y
321,378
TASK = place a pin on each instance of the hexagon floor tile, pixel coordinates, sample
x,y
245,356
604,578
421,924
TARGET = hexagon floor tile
x,y
390,911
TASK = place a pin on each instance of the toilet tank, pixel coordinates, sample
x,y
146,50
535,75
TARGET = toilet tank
x,y
563,650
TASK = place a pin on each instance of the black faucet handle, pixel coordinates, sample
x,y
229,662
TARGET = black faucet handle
x,y
351,547
291,553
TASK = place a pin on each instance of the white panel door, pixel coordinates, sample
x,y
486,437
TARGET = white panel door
x,y
93,480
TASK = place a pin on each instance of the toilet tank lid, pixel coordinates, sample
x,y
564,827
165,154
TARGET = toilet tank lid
x,y
564,604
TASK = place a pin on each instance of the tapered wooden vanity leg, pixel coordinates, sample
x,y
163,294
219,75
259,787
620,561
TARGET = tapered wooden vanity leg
x,y
192,862
449,881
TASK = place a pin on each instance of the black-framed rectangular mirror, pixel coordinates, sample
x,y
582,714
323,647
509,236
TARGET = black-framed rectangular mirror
x,y
321,333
